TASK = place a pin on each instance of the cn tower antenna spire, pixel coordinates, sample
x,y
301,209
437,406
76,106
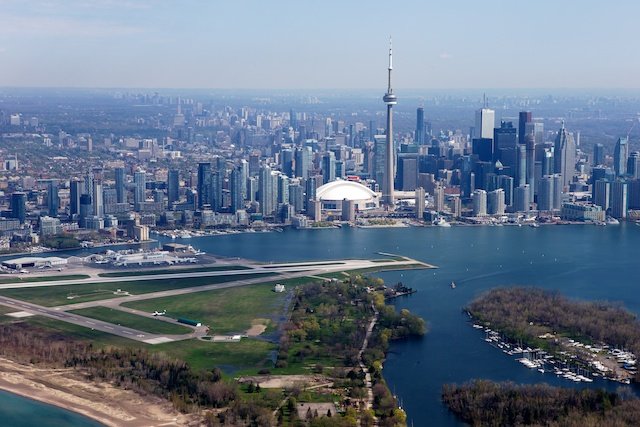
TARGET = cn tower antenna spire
x,y
389,90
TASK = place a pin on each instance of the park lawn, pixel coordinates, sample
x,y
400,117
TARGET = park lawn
x,y
230,310
4,279
248,354
51,296
174,271
145,324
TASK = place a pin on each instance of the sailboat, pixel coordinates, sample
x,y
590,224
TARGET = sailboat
x,y
453,285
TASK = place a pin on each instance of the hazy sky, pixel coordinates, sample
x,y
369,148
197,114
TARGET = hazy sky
x,y
320,44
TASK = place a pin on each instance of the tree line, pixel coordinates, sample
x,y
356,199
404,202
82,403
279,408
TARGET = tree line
x,y
487,403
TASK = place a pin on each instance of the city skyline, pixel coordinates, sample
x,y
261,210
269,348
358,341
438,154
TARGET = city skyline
x,y
113,43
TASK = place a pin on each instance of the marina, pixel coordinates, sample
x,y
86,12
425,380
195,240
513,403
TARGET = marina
x,y
578,363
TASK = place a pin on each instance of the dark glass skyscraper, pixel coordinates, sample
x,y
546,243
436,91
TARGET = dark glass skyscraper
x,y
19,206
120,189
504,137
523,118
173,186
204,184
53,201
598,154
75,191
420,126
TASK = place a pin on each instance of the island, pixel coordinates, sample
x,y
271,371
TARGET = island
x,y
576,340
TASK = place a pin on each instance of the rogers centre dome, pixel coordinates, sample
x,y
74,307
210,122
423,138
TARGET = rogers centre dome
x,y
333,193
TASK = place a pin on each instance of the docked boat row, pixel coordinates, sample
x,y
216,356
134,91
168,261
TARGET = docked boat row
x,y
578,363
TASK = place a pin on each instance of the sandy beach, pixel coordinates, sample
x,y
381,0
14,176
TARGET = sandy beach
x,y
102,402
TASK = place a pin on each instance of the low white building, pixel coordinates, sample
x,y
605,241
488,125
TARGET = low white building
x,y
19,263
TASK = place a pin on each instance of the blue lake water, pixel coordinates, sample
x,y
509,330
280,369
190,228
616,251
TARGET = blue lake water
x,y
16,411
587,262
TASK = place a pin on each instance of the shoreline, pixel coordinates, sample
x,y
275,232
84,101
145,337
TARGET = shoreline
x,y
100,401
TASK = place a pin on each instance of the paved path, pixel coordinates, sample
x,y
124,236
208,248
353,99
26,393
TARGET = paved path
x,y
367,374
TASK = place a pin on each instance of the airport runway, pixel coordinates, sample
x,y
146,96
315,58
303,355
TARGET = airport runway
x,y
284,271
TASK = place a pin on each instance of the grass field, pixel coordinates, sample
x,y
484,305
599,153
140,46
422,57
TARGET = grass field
x,y
152,326
22,279
174,271
50,296
248,355
224,310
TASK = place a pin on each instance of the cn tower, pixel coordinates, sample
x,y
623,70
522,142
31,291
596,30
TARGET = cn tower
x,y
390,99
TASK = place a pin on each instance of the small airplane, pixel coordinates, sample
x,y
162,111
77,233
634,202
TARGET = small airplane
x,y
160,313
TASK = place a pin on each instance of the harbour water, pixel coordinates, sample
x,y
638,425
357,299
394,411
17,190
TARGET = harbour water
x,y
587,262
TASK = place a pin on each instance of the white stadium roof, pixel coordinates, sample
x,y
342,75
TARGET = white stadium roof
x,y
340,190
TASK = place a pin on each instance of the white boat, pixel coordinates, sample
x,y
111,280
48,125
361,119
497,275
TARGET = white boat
x,y
453,285
441,223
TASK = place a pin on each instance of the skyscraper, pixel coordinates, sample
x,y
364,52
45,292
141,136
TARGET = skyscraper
x,y
633,165
140,181
390,100
303,157
620,155
495,202
420,201
53,201
479,203
619,199
521,198
19,206
523,118
420,126
286,162
545,193
75,191
266,192
598,154
328,167
98,199
438,198
204,184
602,193
485,123
236,183
504,137
216,196
173,186
521,172
564,154
120,189
530,144
506,183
